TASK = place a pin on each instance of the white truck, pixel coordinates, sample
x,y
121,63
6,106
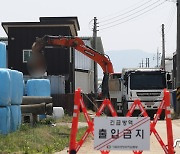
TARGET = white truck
x,y
146,84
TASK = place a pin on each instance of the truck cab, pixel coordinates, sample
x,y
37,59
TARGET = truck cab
x,y
144,84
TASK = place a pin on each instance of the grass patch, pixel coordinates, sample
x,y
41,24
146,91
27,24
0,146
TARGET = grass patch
x,y
68,118
42,138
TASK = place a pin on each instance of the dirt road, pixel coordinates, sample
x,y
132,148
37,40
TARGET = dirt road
x,y
155,147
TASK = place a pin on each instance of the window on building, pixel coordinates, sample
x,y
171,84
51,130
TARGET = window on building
x,y
26,55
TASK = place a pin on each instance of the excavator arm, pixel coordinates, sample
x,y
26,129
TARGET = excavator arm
x,y
78,44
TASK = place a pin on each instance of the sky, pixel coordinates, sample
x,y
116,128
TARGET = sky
x,y
138,25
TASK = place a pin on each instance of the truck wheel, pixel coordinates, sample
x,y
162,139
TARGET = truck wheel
x,y
162,116
151,114
125,108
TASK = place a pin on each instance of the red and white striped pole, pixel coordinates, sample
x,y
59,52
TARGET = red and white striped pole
x,y
74,128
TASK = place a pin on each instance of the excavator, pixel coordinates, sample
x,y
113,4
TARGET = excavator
x,y
37,61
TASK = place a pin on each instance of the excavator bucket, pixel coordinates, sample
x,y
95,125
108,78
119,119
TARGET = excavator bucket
x,y
36,64
38,46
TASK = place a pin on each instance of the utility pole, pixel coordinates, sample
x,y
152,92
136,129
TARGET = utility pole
x,y
163,48
147,62
139,65
95,47
178,60
157,58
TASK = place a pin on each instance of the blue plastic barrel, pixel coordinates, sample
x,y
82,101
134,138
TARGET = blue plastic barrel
x,y
17,87
20,115
4,120
14,116
38,87
5,86
2,55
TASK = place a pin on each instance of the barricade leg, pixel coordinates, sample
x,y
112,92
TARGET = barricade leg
x,y
138,152
101,108
168,122
159,111
78,102
105,152
111,108
88,120
73,134
164,104
79,144
105,103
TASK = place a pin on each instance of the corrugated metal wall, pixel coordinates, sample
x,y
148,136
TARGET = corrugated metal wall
x,y
82,81
84,74
82,61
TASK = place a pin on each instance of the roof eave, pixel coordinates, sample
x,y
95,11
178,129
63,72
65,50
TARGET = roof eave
x,y
6,25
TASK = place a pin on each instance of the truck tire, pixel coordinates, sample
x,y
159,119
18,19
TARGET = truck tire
x,y
151,114
162,116
125,108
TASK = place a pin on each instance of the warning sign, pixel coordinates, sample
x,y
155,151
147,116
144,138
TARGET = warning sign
x,y
122,133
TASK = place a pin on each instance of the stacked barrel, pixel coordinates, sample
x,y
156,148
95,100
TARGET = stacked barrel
x,y
3,62
11,92
39,87
17,87
5,86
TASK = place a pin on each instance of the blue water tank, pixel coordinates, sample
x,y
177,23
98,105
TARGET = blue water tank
x,y
20,115
38,87
5,86
2,55
17,87
15,117
4,120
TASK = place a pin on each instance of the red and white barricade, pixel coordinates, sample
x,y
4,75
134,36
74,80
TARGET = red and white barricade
x,y
74,146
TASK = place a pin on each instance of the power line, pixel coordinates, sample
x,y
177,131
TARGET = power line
x,y
125,12
90,25
133,17
170,18
113,14
133,13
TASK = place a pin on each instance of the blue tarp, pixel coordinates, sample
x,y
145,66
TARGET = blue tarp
x,y
4,120
38,87
15,117
3,55
17,86
5,86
